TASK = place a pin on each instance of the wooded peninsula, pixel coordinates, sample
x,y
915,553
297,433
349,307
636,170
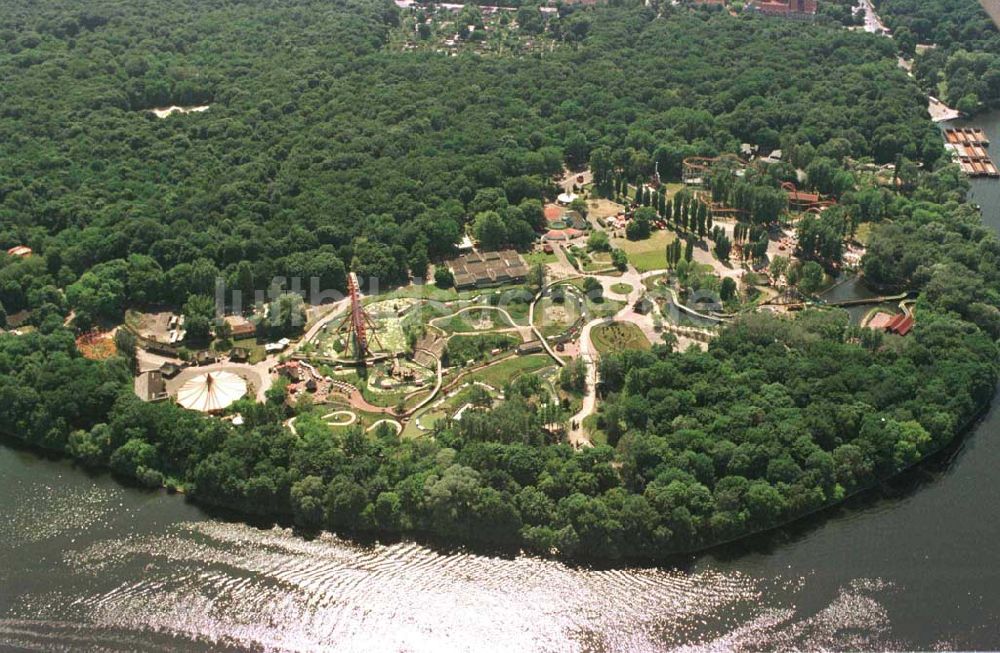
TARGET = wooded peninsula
x,y
365,140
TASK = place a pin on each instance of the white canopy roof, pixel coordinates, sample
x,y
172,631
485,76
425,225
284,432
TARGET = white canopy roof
x,y
566,198
211,392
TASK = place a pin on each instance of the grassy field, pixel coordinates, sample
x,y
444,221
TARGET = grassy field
x,y
649,254
257,353
621,288
603,308
602,208
534,258
597,436
864,232
496,376
471,321
552,319
597,261
611,338
425,291
510,369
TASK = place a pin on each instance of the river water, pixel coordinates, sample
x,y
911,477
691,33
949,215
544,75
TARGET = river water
x,y
90,565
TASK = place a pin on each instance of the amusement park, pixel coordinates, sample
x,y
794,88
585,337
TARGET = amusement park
x,y
648,264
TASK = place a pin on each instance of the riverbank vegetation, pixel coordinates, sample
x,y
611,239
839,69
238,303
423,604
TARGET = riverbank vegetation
x,y
777,418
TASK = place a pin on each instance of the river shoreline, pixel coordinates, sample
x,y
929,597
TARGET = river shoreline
x,y
671,558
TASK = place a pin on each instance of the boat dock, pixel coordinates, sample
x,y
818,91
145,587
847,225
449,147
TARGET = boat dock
x,y
966,136
967,146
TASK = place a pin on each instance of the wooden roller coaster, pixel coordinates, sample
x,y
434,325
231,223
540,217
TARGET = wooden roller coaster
x,y
696,167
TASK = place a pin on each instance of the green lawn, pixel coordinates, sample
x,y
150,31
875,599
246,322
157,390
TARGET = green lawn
x,y
597,436
496,376
597,261
649,254
612,338
864,232
469,321
553,319
425,291
510,369
534,258
256,351
603,308
621,288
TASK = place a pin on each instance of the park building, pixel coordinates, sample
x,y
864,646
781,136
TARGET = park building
x,y
240,327
151,386
792,9
19,251
486,269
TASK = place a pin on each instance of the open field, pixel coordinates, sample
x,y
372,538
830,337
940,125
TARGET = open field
x,y
598,209
495,376
474,320
603,308
649,254
536,257
510,369
554,318
864,232
612,338
594,261
256,350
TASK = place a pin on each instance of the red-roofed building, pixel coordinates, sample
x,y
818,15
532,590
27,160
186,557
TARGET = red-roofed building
x,y
795,9
240,327
904,326
879,321
20,251
900,325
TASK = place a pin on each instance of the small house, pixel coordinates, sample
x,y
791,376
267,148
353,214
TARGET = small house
x,y
240,327
20,251
151,386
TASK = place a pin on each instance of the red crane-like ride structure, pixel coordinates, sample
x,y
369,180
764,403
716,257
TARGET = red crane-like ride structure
x,y
357,323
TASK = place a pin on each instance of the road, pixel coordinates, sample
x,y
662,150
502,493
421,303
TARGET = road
x,y
577,435
437,385
523,331
562,268
873,22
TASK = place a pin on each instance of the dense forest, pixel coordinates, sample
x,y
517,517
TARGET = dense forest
x,y
322,152
963,67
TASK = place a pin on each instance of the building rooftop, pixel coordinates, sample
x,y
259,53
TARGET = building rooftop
x,y
20,251
151,386
487,269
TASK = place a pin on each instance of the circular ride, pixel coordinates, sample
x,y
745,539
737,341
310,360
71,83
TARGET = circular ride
x,y
211,392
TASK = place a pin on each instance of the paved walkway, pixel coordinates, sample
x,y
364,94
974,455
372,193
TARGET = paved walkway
x,y
562,268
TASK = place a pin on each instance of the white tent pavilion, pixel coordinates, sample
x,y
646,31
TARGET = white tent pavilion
x,y
211,392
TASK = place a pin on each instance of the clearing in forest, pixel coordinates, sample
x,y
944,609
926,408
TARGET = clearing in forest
x,y
648,254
